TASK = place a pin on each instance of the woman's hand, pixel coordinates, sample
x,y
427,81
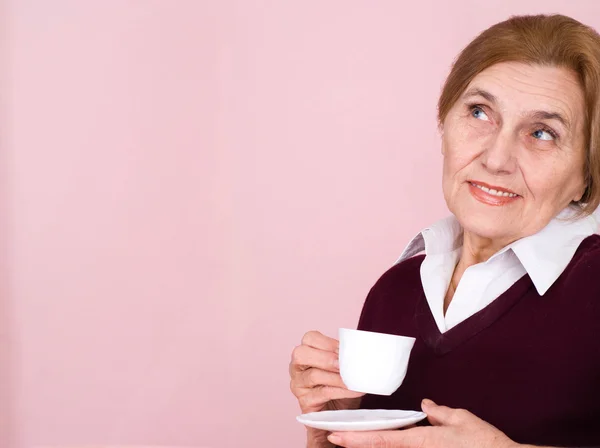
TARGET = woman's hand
x,y
452,428
316,381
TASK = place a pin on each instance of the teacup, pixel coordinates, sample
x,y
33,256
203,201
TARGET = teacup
x,y
373,363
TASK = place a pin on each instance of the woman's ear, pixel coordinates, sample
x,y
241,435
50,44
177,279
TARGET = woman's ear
x,y
580,194
583,188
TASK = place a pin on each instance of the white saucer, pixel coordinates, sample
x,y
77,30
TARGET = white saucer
x,y
360,419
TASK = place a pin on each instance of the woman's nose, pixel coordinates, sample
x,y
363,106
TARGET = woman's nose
x,y
499,154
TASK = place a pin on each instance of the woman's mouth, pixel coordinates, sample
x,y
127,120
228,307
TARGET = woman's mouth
x,y
492,195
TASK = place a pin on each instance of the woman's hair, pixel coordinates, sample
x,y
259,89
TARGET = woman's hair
x,y
554,40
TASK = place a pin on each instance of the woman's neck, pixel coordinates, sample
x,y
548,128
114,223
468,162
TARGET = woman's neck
x,y
475,249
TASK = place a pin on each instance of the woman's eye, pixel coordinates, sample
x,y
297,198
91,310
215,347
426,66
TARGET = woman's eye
x,y
542,134
478,113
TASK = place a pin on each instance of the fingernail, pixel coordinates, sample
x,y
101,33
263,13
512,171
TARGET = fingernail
x,y
427,403
334,438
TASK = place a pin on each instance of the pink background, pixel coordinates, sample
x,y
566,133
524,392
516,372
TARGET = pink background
x,y
188,186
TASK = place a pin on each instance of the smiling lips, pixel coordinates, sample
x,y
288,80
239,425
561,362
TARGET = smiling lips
x,y
491,195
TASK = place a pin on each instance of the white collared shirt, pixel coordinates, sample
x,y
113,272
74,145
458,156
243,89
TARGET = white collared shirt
x,y
544,256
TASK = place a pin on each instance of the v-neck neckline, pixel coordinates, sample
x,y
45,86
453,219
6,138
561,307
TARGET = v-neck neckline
x,y
442,343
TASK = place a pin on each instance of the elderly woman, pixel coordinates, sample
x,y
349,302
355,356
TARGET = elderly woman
x,y
505,303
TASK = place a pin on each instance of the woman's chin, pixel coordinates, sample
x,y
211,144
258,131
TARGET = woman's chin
x,y
494,226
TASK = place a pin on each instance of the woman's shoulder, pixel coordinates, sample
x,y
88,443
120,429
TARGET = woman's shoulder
x,y
391,302
402,277
584,268
405,272
588,251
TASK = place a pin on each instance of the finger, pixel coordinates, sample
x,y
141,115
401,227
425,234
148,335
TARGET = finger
x,y
314,377
318,340
318,396
410,438
304,357
443,415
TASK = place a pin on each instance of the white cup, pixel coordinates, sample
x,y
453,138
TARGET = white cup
x,y
373,363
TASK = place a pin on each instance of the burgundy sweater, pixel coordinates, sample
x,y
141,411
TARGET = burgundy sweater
x,y
527,364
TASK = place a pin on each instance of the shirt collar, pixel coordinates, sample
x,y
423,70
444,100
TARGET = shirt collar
x,y
544,255
442,237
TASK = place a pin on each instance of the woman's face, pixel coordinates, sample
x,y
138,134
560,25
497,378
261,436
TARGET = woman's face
x,y
513,150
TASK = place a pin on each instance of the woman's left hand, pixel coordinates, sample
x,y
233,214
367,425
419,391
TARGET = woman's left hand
x,y
452,428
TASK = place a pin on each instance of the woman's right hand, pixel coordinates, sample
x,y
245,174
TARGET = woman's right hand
x,y
316,381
